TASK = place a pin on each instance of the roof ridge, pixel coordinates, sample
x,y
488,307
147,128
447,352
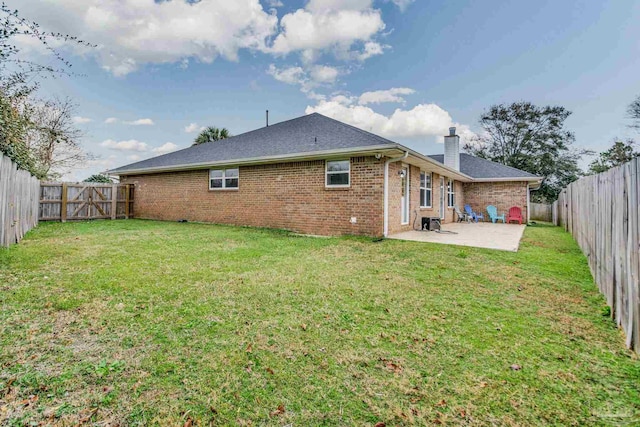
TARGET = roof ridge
x,y
355,128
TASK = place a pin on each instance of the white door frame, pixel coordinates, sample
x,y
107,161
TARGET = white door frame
x,y
404,199
442,198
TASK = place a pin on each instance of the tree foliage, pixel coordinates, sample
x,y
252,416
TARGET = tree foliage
x,y
634,113
101,178
38,135
211,134
620,153
533,139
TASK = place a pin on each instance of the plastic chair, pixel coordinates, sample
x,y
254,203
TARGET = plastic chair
x,y
476,216
493,214
515,214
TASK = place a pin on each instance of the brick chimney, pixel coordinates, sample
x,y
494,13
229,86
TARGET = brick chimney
x,y
452,149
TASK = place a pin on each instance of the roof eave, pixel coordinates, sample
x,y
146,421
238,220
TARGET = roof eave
x,y
315,155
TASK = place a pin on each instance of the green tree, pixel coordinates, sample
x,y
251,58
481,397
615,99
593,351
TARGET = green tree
x,y
24,122
620,153
211,134
533,139
99,178
634,113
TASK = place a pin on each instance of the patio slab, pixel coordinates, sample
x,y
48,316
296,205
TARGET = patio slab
x,y
503,237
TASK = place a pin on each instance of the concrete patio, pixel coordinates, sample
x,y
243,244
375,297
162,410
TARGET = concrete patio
x,y
503,237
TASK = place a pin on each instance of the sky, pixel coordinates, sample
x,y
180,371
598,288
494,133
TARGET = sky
x,y
404,69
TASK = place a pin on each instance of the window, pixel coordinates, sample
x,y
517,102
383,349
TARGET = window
x,y
338,173
451,193
425,189
221,179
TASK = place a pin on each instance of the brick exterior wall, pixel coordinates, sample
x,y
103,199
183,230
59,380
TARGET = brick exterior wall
x,y
395,194
290,196
503,195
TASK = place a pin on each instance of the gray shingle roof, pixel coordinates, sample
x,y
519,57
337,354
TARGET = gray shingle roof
x,y
306,134
476,167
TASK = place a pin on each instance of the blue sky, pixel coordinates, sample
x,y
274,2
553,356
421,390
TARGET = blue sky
x,y
404,69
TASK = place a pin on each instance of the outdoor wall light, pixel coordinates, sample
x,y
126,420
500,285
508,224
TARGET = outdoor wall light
x,y
402,173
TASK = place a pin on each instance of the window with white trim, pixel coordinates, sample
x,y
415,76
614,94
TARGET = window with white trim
x,y
426,185
338,173
451,193
224,179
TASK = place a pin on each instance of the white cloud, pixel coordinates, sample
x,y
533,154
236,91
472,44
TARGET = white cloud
x,y
371,49
420,121
140,122
381,96
165,148
193,127
128,145
275,3
324,74
327,5
324,28
81,120
111,120
131,33
133,157
290,75
402,4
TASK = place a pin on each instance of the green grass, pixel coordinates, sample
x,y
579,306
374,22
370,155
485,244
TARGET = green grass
x,y
151,323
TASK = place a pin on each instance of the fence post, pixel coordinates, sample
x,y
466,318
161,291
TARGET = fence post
x,y
114,200
63,203
126,201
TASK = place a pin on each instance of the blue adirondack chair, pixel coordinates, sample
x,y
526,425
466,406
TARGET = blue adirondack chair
x,y
493,214
476,216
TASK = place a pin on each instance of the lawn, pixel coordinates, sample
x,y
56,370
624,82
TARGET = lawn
x,y
154,323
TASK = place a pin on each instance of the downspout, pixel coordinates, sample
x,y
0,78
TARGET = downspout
x,y
528,205
386,190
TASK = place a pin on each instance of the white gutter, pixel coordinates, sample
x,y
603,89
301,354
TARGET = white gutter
x,y
528,206
386,190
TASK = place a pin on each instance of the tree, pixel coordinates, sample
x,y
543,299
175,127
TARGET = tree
x,y
211,134
619,154
634,112
37,135
53,139
533,139
99,178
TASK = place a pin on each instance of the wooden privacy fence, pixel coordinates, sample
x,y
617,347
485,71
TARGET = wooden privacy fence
x,y
19,192
540,212
601,212
61,201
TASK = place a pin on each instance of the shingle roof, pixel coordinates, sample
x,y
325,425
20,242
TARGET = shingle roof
x,y
306,134
477,167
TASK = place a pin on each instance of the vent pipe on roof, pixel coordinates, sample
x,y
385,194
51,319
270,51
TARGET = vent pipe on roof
x,y
452,149
267,118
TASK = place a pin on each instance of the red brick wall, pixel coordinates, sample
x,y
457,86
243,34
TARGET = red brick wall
x,y
502,195
286,195
395,194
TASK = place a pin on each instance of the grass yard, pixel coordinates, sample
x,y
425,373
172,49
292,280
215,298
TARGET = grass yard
x,y
154,323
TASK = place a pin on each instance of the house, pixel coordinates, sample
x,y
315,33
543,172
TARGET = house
x,y
316,175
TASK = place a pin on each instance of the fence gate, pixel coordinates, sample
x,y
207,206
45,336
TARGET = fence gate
x,y
67,201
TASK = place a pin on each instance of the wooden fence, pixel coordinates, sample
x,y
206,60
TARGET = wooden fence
x,y
601,212
18,202
540,212
61,201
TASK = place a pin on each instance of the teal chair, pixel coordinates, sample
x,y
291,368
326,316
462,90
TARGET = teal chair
x,y
493,214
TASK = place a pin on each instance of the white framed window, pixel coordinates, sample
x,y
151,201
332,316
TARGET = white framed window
x,y
426,185
224,179
338,173
451,193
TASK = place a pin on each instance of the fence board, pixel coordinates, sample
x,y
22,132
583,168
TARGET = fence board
x,y
18,202
541,212
64,201
601,212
